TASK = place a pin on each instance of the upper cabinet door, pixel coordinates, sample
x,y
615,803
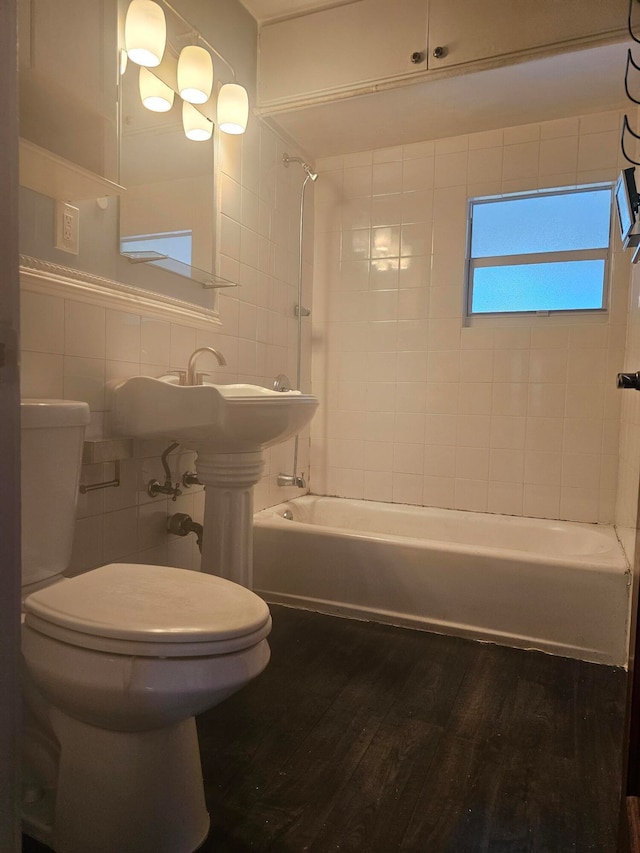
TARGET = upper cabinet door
x,y
341,48
462,31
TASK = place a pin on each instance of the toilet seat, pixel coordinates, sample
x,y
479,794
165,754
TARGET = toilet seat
x,y
149,611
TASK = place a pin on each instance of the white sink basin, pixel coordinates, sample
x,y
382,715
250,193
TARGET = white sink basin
x,y
209,418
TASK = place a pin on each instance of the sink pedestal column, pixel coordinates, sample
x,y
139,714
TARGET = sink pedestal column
x,y
227,545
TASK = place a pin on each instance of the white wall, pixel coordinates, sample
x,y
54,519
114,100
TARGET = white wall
x,y
72,349
514,416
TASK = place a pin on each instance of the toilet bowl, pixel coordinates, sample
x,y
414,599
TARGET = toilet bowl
x,y
118,660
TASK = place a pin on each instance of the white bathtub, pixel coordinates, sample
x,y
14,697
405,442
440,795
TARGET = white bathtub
x,y
561,587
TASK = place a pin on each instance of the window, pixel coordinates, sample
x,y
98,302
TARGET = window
x,y
539,251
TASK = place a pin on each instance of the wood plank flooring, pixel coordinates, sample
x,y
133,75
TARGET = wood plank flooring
x,y
365,737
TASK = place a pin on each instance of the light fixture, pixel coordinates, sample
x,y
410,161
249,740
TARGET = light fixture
x,y
145,33
154,94
195,74
233,108
196,126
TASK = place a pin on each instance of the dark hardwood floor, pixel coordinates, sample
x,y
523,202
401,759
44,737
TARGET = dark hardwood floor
x,y
365,737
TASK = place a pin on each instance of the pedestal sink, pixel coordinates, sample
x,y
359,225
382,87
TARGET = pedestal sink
x,y
229,426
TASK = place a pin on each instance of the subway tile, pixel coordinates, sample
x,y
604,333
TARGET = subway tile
x,y
120,534
440,461
485,164
506,466
474,398
486,139
559,155
417,206
505,498
438,491
387,155
451,169
441,397
582,435
579,504
600,122
87,551
418,175
541,501
509,398
41,322
510,365
520,161
544,434
409,428
543,468
508,432
581,470
41,375
84,333
408,458
521,134
407,488
84,379
419,149
378,456
155,337
387,178
473,431
547,400
472,463
122,336
378,486
598,151
471,495
559,127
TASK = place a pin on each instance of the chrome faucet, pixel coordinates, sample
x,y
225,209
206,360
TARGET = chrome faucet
x,y
194,378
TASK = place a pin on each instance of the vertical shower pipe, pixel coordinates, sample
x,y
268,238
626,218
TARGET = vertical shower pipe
x,y
293,479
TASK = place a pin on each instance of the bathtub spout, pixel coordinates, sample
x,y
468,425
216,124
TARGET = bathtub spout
x,y
291,480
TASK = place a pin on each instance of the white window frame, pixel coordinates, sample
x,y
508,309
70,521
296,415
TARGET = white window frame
x,y
472,264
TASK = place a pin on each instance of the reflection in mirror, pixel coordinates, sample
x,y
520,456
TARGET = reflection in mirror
x,y
167,215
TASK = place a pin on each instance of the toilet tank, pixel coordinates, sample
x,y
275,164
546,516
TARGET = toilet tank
x,y
52,433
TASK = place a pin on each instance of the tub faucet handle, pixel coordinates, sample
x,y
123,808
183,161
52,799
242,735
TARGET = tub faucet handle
x,y
629,380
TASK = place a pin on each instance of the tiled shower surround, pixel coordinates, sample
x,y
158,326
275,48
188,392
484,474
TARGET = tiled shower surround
x,y
517,416
511,415
73,349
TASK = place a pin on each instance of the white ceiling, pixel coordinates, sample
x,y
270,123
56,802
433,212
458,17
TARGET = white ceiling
x,y
569,84
264,10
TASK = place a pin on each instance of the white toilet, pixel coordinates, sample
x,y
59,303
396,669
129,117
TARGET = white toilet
x,y
118,661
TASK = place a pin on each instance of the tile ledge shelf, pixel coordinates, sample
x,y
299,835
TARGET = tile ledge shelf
x,y
57,280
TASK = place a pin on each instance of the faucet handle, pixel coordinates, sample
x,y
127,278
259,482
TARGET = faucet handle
x,y
181,374
200,377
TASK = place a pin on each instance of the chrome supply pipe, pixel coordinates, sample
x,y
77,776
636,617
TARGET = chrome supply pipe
x,y
300,312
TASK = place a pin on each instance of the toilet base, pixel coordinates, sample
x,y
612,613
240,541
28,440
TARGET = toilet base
x,y
134,792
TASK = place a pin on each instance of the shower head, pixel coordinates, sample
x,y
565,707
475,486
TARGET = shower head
x,y
286,159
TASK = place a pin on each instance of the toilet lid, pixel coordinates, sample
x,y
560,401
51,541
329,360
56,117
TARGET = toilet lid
x,y
150,604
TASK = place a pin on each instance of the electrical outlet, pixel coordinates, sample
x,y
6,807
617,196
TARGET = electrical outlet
x,y
67,227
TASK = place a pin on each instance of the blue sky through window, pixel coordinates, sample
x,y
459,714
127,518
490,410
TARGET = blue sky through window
x,y
176,244
538,287
542,223
576,224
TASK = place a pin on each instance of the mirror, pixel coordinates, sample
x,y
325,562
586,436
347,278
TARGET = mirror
x,y
138,184
167,215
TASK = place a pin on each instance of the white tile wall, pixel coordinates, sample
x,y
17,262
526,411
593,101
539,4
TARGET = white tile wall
x,y
513,416
71,349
